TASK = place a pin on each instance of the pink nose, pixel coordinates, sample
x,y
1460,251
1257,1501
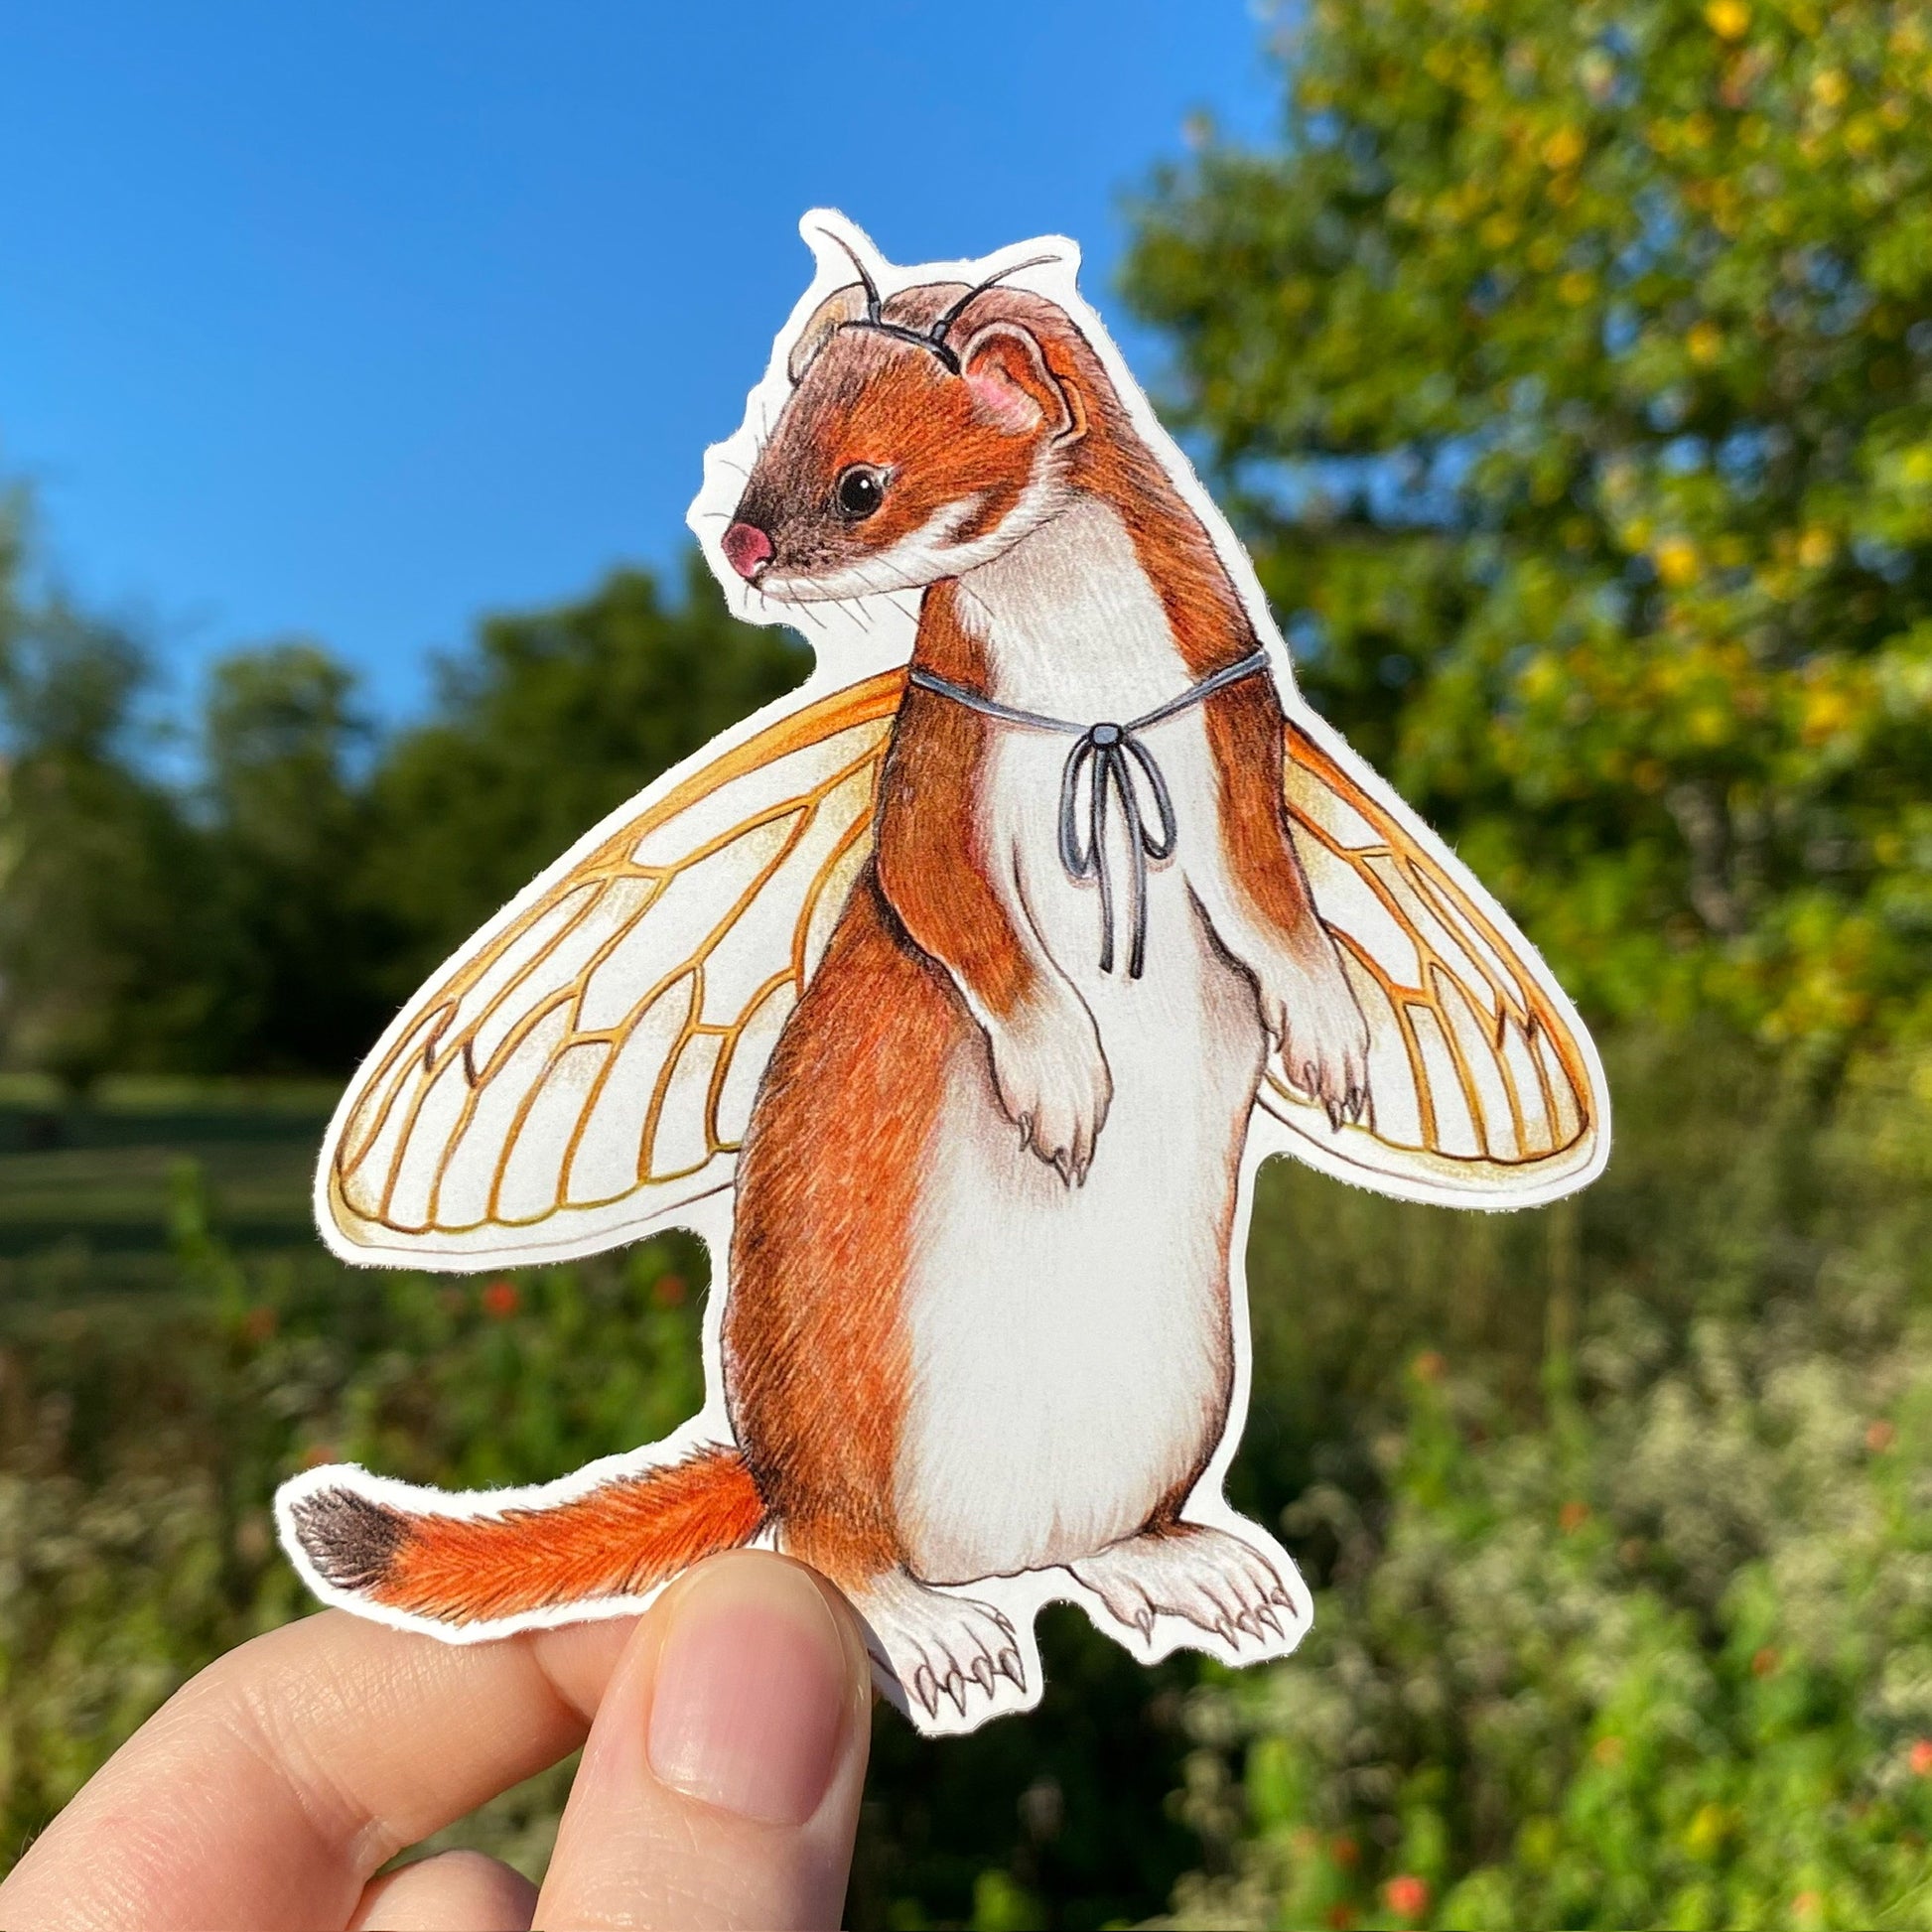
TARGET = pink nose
x,y
747,549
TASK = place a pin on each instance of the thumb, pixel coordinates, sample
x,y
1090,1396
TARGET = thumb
x,y
721,1782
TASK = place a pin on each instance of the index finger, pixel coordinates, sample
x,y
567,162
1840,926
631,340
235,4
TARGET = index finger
x,y
269,1788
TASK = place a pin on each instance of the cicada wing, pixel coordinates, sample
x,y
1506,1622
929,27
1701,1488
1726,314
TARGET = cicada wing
x,y
1484,1088
586,1066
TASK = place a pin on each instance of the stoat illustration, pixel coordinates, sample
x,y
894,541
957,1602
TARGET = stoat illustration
x,y
956,1003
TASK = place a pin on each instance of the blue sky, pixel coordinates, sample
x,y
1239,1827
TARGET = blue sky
x,y
355,320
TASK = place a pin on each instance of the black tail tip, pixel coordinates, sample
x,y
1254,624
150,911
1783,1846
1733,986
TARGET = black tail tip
x,y
351,1541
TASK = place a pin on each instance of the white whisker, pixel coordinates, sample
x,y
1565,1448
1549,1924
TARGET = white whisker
x,y
886,595
783,612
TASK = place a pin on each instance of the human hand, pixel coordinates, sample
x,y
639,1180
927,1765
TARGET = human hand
x,y
720,1786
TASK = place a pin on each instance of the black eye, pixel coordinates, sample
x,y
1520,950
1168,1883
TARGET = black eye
x,y
860,491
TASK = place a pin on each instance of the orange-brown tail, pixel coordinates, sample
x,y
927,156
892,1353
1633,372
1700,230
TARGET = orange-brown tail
x,y
618,1540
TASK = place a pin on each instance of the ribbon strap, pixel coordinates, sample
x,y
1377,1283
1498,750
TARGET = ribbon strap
x,y
1108,758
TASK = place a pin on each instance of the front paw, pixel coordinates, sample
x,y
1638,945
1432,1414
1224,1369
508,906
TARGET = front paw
x,y
1313,1018
1053,1080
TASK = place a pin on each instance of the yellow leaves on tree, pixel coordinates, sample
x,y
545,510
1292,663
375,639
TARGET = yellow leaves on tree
x,y
1613,394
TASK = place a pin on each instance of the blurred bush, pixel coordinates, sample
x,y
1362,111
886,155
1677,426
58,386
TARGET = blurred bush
x,y
141,1442
1653,1467
1667,1662
142,1438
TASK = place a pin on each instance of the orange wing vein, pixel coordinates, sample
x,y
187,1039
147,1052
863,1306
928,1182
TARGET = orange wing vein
x,y
1482,1082
591,1059
588,1064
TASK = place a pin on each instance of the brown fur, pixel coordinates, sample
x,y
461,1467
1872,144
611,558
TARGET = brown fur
x,y
928,900
894,406
619,1539
932,867
815,1348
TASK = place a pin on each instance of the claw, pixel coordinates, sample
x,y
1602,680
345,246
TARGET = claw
x,y
983,1673
1144,1623
1279,1595
955,1688
1009,1666
926,1690
1267,1617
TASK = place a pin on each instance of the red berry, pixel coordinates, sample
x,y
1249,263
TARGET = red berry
x,y
1407,1894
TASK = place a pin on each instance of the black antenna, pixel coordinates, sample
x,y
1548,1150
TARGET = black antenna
x,y
871,287
934,338
952,314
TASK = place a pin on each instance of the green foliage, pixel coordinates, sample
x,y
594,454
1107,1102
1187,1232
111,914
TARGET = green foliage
x,y
1525,1546
102,883
1571,367
296,938
1670,1664
1719,1200
141,1441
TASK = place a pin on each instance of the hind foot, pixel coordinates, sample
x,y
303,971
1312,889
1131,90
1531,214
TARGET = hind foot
x,y
949,1662
1206,1576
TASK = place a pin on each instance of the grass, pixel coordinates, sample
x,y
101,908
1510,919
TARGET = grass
x,y
84,1188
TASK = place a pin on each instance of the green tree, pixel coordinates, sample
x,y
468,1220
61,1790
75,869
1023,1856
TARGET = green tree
x,y
286,754
103,926
555,719
1571,365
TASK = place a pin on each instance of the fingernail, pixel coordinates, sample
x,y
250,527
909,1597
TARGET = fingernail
x,y
750,1696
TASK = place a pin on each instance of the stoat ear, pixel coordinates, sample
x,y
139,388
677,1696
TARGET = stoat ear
x,y
840,307
1012,388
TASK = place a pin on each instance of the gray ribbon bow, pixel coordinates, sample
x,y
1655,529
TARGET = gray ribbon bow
x,y
1109,758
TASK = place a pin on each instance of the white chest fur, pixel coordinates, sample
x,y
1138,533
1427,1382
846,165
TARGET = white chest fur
x,y
1071,626
1070,1345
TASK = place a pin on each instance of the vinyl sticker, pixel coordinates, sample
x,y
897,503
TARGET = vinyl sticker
x,y
955,1001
